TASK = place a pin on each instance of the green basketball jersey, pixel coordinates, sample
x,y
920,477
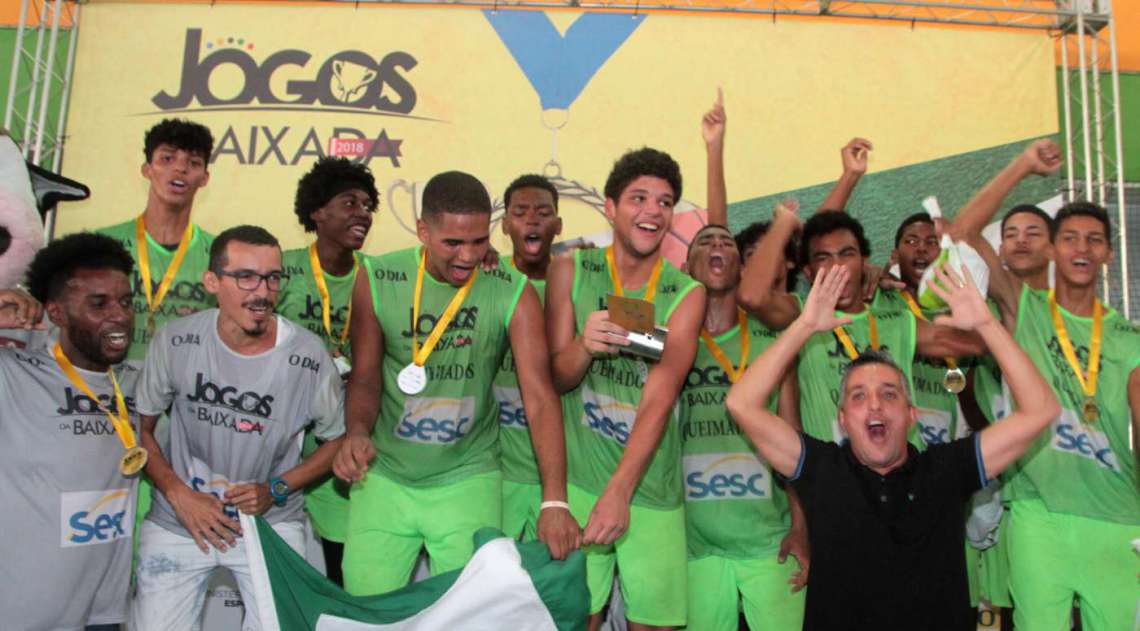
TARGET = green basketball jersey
x,y
823,359
300,301
187,294
599,413
938,413
1080,468
733,506
449,431
519,464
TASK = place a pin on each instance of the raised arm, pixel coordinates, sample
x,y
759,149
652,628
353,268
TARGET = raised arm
x,y
556,526
775,438
365,384
854,155
571,353
610,517
757,291
712,130
1041,157
1036,405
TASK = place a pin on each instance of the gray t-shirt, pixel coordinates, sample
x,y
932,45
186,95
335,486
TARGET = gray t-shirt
x,y
237,418
65,559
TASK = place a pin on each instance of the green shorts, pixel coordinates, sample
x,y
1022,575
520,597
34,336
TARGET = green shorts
x,y
650,560
993,568
520,510
764,594
388,524
327,506
1054,557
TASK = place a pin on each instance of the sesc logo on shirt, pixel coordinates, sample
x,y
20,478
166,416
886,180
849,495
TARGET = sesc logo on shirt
x,y
95,517
732,476
608,417
436,420
934,425
1073,437
512,415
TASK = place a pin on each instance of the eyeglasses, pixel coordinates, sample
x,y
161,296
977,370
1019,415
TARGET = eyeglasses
x,y
250,280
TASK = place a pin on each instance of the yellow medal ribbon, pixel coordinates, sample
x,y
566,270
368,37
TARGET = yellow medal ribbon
x,y
718,352
153,301
135,457
420,354
1088,383
951,363
845,339
326,300
651,286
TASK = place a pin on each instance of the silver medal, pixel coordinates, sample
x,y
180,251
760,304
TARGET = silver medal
x,y
412,379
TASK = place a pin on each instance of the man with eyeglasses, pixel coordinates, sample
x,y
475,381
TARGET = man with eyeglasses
x,y
335,199
241,385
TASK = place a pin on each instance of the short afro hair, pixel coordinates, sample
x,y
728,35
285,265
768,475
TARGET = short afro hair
x,y
639,162
455,192
827,221
1032,210
328,178
253,235
920,217
181,134
1082,209
57,263
530,180
751,236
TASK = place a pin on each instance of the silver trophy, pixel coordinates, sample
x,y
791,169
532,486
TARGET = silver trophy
x,y
647,345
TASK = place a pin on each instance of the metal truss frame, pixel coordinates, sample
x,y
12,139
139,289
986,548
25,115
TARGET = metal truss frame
x,y
38,74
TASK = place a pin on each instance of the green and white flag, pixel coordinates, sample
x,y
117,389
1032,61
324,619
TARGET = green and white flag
x,y
506,585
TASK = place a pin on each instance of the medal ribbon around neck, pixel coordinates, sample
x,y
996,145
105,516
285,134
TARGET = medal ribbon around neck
x,y
154,301
421,354
326,300
845,339
651,286
951,363
1088,384
120,421
718,352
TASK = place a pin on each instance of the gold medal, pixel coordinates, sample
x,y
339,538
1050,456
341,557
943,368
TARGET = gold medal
x,y
954,380
154,297
150,326
133,461
1090,411
326,301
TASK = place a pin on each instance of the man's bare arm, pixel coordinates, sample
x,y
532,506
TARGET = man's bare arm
x,y
854,155
556,526
571,353
712,130
365,384
757,293
1041,157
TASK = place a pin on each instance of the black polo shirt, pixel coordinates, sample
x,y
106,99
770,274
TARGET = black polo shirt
x,y
887,552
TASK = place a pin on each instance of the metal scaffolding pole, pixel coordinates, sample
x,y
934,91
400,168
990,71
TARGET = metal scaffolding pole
x,y
49,74
17,54
1118,137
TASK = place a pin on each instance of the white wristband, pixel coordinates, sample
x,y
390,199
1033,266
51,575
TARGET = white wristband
x,y
553,504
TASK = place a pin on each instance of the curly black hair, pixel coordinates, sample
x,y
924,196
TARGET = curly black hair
x,y
530,180
455,192
645,161
180,134
58,262
328,178
827,221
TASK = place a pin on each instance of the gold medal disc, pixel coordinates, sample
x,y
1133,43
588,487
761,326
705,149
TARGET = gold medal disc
x,y
1090,410
133,461
954,381
150,326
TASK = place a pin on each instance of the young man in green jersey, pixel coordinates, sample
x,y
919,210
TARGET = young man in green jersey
x,y
335,199
428,334
622,438
531,221
886,522
1073,496
171,253
740,523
